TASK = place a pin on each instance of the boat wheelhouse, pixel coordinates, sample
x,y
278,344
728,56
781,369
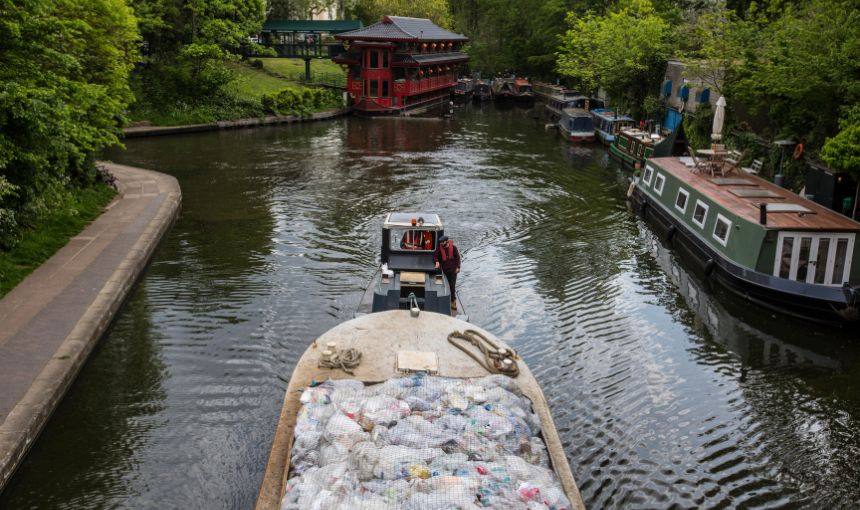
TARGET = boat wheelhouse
x,y
408,276
576,125
400,63
632,146
608,124
761,241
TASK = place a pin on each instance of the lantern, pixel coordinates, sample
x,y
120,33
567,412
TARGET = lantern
x,y
447,68
450,45
433,46
423,46
420,73
438,69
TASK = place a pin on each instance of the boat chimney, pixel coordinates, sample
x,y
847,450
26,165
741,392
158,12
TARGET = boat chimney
x,y
762,213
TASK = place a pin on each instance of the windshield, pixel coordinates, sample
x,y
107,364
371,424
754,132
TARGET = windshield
x,y
413,239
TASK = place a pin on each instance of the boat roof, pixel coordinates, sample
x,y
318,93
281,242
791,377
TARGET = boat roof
x,y
741,193
576,112
404,219
608,114
642,136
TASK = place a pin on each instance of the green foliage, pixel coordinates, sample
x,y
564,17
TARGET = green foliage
x,y
300,102
842,152
51,232
623,52
371,11
63,91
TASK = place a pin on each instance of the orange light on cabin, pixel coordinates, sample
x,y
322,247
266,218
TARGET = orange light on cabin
x,y
434,46
423,46
450,45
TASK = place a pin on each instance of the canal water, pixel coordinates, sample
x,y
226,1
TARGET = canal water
x,y
666,391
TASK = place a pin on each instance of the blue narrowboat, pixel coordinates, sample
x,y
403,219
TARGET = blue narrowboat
x,y
608,124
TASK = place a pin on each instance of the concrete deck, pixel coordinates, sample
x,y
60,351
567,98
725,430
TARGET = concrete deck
x,y
53,319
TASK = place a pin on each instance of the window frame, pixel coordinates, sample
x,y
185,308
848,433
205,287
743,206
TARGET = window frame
x,y
661,179
728,223
706,207
649,173
682,191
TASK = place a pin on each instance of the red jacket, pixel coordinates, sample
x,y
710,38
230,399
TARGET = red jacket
x,y
448,258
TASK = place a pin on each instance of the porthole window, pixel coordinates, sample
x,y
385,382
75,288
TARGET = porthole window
x,y
658,183
721,229
700,213
681,200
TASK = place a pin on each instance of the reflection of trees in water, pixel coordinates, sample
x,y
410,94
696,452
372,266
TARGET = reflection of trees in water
x,y
82,456
381,136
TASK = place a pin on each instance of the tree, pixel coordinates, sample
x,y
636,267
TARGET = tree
x,y
371,11
624,51
63,92
842,152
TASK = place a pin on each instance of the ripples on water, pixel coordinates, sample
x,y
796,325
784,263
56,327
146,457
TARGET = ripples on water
x,y
662,395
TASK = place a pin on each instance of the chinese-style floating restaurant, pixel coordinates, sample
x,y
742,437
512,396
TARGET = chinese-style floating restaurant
x,y
400,64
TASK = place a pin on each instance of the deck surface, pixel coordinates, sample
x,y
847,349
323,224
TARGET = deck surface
x,y
379,337
730,195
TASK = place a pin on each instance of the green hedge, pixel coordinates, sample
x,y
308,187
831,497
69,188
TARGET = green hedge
x,y
301,102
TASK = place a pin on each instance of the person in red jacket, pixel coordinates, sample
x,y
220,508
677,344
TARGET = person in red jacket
x,y
447,258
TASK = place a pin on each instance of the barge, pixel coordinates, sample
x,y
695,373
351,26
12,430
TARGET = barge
x,y
633,146
608,124
416,419
760,241
576,125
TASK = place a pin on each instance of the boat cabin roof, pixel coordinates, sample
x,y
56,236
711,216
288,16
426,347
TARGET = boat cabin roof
x,y
404,219
576,112
604,113
742,193
643,137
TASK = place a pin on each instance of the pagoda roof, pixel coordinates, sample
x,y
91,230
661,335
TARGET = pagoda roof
x,y
429,59
399,28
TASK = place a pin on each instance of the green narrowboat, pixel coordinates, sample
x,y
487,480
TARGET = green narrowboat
x,y
759,240
632,146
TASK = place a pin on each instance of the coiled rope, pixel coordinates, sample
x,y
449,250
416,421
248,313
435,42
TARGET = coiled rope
x,y
344,359
494,357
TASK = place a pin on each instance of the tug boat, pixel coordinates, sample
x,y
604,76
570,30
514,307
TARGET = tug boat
x,y
576,125
608,124
407,275
390,410
757,239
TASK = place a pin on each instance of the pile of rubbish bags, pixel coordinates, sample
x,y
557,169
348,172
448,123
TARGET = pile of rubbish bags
x,y
420,442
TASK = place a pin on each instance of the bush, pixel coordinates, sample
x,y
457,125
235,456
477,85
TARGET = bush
x,y
257,63
300,102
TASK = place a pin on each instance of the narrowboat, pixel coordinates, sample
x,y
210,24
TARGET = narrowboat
x,y
608,124
407,275
576,125
503,89
400,410
632,146
544,91
761,241
523,90
482,91
464,89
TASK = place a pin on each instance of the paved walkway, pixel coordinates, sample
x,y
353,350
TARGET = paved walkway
x,y
51,320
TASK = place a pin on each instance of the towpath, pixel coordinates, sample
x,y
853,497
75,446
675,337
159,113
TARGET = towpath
x,y
52,320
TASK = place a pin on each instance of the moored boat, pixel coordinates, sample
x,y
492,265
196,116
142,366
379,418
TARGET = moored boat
x,y
482,91
608,124
422,420
464,89
759,240
576,125
503,89
523,90
407,273
632,146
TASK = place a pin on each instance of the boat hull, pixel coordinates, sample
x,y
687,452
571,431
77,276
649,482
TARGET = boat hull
x,y
379,337
817,303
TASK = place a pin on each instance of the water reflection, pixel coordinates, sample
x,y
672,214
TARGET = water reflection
x,y
664,392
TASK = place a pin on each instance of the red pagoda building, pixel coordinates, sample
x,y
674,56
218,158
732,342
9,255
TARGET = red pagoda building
x,y
400,64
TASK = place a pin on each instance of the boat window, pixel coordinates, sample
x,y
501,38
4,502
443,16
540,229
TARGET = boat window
x,y
821,259
409,239
839,262
374,59
658,183
785,257
374,88
681,200
622,141
721,229
582,124
649,172
384,59
700,213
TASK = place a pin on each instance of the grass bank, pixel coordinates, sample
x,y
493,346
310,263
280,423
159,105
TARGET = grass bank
x,y
52,232
242,98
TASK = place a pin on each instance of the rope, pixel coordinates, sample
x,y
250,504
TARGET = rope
x,y
494,356
344,359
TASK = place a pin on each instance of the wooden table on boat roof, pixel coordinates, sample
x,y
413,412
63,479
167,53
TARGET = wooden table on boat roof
x,y
715,160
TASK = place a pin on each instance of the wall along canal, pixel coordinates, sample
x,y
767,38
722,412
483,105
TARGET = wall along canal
x,y
665,391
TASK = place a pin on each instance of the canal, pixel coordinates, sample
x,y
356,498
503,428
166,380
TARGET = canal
x,y
666,392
